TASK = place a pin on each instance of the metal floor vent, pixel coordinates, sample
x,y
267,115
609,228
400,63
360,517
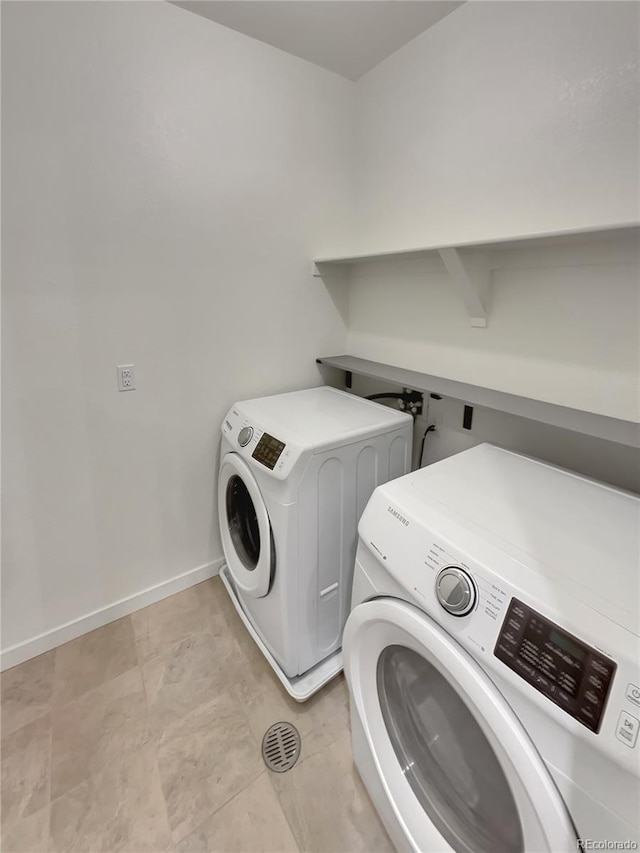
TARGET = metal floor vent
x,y
281,747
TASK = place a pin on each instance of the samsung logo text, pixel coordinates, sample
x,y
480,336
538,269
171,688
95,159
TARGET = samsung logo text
x,y
396,514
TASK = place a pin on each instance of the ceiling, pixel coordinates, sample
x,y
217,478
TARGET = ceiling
x,y
346,36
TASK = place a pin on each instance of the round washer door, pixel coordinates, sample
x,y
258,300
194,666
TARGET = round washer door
x,y
244,527
459,769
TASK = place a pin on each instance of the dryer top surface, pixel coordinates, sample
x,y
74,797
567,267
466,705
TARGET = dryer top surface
x,y
317,417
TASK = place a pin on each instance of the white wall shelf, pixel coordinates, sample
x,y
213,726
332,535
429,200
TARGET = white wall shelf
x,y
588,423
469,264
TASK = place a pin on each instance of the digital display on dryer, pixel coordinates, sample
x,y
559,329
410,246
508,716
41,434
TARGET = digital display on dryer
x,y
268,450
571,674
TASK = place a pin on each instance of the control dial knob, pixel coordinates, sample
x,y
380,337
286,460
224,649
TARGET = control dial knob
x,y
456,591
245,435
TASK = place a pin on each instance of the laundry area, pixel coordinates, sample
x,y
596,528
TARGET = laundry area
x,y
320,426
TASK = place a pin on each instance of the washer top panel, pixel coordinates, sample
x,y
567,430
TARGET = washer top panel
x,y
566,527
319,418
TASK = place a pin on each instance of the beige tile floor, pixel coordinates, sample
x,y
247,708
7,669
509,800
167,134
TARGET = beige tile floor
x,y
145,736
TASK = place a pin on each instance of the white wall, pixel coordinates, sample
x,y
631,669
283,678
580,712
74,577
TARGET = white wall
x,y
165,182
506,118
562,327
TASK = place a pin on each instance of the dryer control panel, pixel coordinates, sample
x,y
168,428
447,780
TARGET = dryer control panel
x,y
268,450
574,676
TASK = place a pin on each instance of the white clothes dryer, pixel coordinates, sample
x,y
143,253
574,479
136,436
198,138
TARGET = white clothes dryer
x,y
296,471
492,658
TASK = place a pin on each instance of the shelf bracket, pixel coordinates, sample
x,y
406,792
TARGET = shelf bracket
x,y
331,272
471,277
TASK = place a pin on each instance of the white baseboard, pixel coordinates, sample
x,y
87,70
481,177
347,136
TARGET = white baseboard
x,y
57,636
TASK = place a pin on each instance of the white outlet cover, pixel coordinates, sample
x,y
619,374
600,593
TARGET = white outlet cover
x,y
126,377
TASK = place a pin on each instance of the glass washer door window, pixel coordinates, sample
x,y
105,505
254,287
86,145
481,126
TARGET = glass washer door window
x,y
447,760
243,523
245,528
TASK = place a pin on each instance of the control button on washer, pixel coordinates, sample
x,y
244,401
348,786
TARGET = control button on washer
x,y
633,694
627,729
585,713
245,435
525,667
542,682
596,682
455,591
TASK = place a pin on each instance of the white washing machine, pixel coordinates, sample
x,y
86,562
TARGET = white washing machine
x,y
296,472
492,658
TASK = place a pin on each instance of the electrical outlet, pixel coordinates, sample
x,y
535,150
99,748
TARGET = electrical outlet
x,y
126,377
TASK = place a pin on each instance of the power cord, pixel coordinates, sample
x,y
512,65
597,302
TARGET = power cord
x,y
430,428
